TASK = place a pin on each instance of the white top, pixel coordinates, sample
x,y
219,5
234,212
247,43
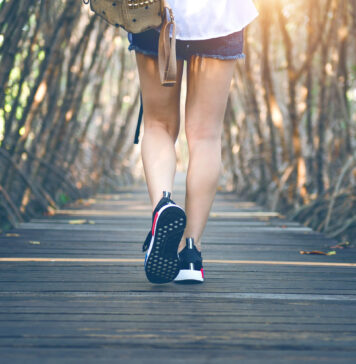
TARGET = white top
x,y
205,19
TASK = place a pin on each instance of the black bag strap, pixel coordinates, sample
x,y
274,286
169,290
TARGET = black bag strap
x,y
140,115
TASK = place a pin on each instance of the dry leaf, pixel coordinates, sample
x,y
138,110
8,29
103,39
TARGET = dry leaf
x,y
50,212
12,234
83,202
77,222
81,221
341,245
318,252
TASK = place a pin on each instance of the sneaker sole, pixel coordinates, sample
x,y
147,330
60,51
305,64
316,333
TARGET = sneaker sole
x,y
188,276
161,263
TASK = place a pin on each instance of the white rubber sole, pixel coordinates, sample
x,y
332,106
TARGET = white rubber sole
x,y
188,275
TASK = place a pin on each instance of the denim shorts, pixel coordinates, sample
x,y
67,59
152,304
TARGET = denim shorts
x,y
226,47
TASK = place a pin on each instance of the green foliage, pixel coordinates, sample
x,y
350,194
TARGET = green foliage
x,y
353,72
2,125
63,198
41,55
7,107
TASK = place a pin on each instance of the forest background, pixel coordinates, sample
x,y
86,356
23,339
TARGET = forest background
x,y
69,97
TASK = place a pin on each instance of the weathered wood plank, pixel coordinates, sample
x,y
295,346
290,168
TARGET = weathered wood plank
x,y
80,311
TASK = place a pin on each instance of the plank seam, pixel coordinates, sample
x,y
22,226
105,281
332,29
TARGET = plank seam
x,y
213,261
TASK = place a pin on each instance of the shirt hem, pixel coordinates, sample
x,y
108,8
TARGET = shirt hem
x,y
212,36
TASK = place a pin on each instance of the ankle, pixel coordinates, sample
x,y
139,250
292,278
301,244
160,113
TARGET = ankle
x,y
183,244
158,198
198,245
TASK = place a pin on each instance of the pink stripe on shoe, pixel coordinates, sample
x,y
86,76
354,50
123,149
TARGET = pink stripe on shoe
x,y
154,223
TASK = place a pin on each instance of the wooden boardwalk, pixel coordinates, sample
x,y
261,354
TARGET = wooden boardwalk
x,y
77,293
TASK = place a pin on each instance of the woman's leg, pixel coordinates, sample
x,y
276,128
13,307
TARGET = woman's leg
x,y
161,126
208,84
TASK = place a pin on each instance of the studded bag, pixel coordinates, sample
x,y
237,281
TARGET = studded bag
x,y
136,16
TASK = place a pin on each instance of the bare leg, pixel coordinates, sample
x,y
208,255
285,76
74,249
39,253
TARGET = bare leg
x,y
208,84
161,126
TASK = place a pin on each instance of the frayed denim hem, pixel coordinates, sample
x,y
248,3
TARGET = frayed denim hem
x,y
138,49
217,56
148,53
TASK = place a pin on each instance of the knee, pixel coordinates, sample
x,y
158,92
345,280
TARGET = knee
x,y
202,133
168,124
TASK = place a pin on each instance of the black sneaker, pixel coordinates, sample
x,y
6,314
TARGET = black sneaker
x,y
168,224
191,264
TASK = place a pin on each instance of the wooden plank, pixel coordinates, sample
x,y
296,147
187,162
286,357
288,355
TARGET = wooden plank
x,y
216,261
81,294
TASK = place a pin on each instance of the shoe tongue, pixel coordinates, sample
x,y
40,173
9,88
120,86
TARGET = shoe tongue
x,y
190,243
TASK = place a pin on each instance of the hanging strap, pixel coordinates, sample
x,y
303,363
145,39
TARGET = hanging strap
x,y
139,121
167,61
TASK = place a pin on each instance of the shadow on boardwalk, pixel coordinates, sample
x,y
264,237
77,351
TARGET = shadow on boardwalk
x,y
77,293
